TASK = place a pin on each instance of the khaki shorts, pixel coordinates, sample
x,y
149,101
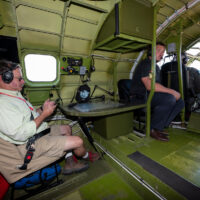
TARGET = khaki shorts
x,y
48,149
50,145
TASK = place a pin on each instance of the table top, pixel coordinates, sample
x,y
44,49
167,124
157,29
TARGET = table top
x,y
96,109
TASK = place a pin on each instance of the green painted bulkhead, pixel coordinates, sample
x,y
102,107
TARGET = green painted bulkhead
x,y
127,34
107,34
61,29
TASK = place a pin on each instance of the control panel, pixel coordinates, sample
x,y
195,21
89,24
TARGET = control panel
x,y
75,65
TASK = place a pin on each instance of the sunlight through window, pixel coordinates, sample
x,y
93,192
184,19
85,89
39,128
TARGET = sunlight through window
x,y
40,68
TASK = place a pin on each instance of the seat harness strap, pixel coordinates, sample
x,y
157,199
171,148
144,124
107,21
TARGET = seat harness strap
x,y
30,148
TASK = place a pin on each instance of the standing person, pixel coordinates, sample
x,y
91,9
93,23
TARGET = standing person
x,y
19,121
166,103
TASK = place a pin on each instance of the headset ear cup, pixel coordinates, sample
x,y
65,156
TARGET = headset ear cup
x,y
7,77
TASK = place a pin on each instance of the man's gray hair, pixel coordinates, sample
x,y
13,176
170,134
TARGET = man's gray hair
x,y
6,65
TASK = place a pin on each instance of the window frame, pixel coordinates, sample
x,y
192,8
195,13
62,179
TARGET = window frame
x,y
41,83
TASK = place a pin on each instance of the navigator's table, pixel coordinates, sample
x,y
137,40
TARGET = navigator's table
x,y
97,109
111,119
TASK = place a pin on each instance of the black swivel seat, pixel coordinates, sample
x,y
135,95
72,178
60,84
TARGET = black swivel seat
x,y
124,86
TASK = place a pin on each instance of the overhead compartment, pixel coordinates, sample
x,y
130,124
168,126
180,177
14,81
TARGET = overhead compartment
x,y
129,27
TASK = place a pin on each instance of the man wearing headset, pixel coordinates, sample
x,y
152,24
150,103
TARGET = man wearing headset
x,y
20,121
166,103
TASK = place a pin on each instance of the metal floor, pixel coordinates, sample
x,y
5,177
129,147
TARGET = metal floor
x,y
107,179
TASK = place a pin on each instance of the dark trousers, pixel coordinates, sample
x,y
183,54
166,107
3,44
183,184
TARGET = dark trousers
x,y
164,109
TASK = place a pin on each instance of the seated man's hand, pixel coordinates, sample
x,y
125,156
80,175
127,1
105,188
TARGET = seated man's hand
x,y
48,107
176,94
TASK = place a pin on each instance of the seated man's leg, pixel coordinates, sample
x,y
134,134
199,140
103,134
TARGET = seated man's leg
x,y
65,130
55,145
74,143
60,130
175,111
89,156
162,105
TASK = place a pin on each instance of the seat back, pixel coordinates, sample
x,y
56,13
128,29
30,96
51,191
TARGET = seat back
x,y
169,76
124,86
4,186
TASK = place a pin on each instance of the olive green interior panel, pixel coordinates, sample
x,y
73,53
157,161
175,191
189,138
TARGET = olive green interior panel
x,y
7,25
48,4
8,31
194,122
84,14
127,28
115,125
67,92
74,45
1,22
108,28
83,30
124,68
35,16
59,26
80,28
39,30
136,19
31,38
38,97
106,79
102,76
6,13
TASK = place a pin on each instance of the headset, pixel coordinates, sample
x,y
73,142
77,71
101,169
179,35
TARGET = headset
x,y
8,76
83,94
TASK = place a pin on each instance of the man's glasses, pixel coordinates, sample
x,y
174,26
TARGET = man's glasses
x,y
19,78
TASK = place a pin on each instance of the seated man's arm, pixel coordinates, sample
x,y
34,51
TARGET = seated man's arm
x,y
159,88
48,109
39,110
15,123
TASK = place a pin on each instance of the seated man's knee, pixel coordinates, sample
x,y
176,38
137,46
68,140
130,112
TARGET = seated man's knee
x,y
73,142
171,100
78,141
181,103
66,130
